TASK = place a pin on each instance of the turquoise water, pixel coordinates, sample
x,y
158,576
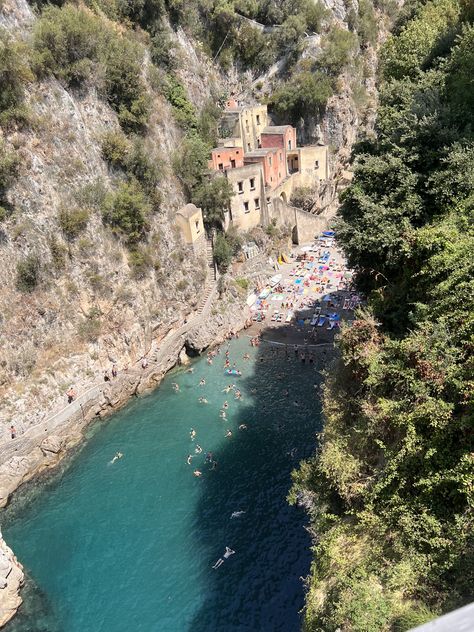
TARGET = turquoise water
x,y
130,546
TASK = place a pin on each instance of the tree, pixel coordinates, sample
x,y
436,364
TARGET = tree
x,y
126,211
222,252
214,197
304,95
190,162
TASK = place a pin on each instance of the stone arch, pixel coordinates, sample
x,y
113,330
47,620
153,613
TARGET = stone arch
x,y
284,197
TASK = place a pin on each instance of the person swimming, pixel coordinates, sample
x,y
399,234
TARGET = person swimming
x,y
188,460
209,457
227,389
192,434
175,386
221,560
203,400
198,449
228,434
118,455
190,370
236,514
238,394
214,465
197,473
225,405
223,414
243,427
202,382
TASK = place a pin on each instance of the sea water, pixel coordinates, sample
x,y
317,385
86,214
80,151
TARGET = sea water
x,y
129,546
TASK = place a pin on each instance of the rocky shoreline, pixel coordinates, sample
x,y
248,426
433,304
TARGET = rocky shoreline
x,y
45,445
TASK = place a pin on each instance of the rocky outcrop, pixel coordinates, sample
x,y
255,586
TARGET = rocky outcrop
x,y
11,580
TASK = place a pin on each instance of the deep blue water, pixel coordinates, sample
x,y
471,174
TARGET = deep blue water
x,y
129,546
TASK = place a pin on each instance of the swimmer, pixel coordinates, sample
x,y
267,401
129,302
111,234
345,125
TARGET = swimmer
x,y
209,360
228,434
202,382
197,473
227,554
295,403
286,392
214,465
222,414
246,356
238,394
225,405
227,389
175,386
236,514
243,427
192,434
118,455
188,460
209,457
203,400
190,370
198,449
253,391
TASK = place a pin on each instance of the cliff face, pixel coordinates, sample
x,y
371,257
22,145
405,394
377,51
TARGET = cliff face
x,y
91,308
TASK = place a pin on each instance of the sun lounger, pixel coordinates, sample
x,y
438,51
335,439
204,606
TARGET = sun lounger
x,y
331,326
322,320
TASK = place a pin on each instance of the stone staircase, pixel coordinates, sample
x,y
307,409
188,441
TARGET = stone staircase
x,y
210,260
208,290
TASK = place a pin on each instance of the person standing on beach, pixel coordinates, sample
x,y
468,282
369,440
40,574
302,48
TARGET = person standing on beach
x,y
71,395
13,431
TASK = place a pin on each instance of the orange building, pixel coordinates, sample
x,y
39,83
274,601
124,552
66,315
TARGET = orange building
x,y
283,136
223,158
273,161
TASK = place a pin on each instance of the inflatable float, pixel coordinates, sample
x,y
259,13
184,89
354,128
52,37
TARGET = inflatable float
x,y
233,372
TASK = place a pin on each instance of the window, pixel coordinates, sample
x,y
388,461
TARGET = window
x,y
271,179
279,174
232,164
240,186
197,226
258,119
270,160
248,146
316,164
289,144
220,166
281,157
246,207
257,203
252,184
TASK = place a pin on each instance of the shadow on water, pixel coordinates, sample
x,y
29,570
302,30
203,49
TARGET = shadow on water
x,y
260,587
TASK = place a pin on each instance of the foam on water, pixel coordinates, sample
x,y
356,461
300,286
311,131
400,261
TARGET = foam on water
x,y
130,546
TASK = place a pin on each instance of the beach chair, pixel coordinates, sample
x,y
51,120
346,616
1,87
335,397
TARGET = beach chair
x,y
322,320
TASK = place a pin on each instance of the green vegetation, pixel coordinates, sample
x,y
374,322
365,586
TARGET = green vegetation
x,y
9,164
190,163
14,73
28,273
306,93
79,47
214,198
73,222
226,246
392,482
126,211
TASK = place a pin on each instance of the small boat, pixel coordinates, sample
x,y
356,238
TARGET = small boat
x,y
233,372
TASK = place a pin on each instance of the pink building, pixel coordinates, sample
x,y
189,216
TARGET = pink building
x,y
223,158
273,161
283,136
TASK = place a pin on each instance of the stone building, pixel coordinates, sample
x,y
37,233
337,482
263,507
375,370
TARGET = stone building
x,y
249,196
245,123
190,222
283,136
223,158
273,162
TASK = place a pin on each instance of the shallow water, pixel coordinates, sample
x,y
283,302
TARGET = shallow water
x,y
129,546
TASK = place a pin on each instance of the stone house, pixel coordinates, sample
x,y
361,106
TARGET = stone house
x,y
283,136
223,158
249,196
190,222
273,162
244,122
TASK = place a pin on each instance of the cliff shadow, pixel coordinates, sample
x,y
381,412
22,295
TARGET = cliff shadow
x,y
260,587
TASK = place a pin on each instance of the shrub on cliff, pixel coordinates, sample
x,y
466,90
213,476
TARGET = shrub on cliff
x,y
73,222
190,163
305,94
14,73
79,47
214,198
28,273
126,211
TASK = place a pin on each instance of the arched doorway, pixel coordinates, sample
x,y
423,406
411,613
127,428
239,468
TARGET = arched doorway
x,y
283,197
294,235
